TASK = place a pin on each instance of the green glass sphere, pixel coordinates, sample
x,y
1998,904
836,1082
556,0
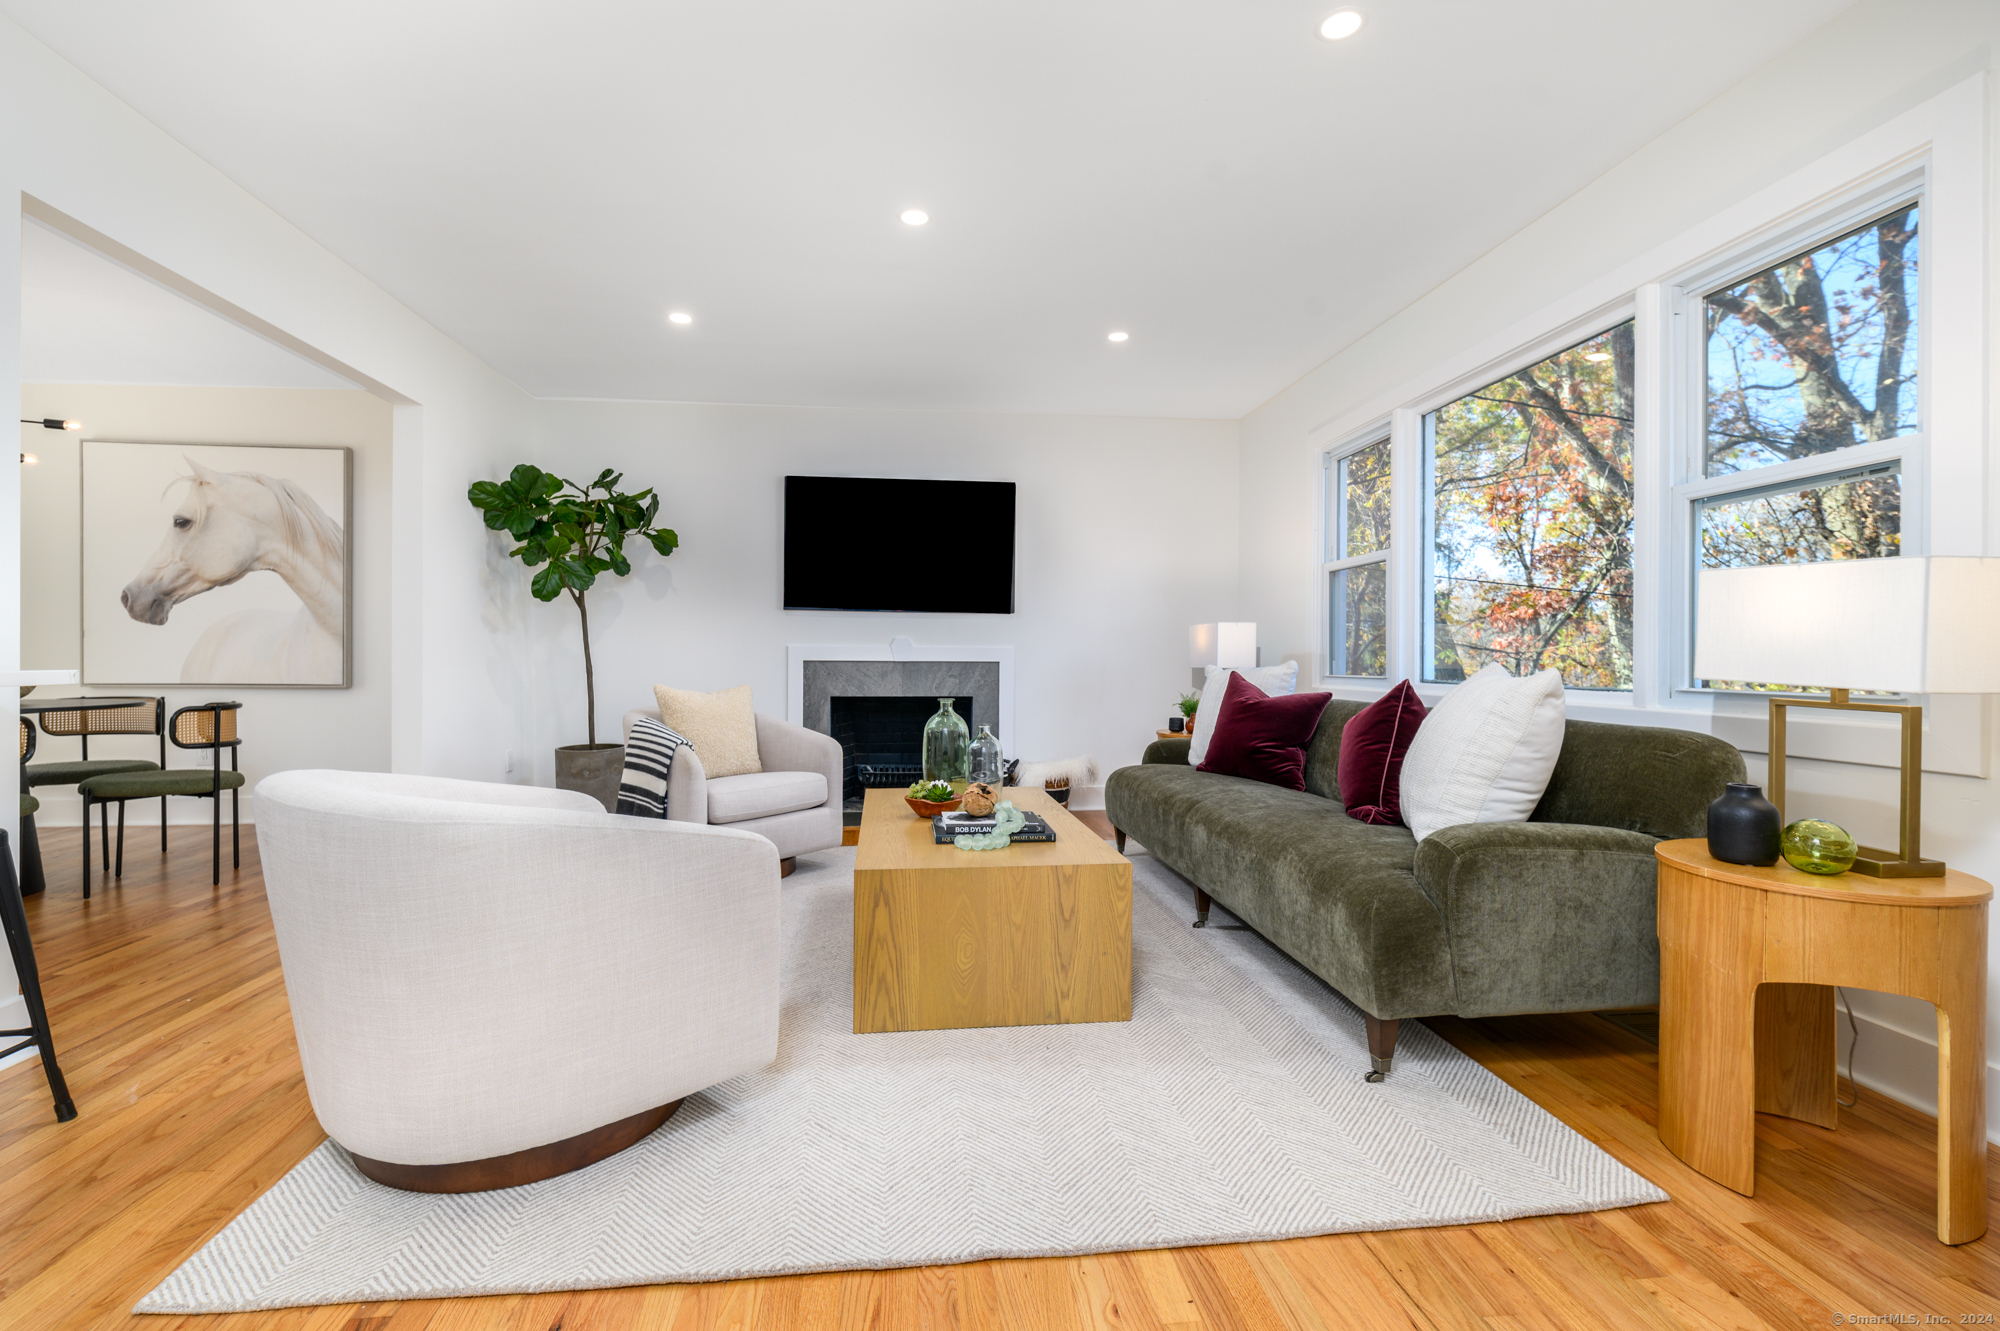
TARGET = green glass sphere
x,y
1817,846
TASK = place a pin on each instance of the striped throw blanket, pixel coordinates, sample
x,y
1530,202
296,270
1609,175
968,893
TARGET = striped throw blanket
x,y
649,764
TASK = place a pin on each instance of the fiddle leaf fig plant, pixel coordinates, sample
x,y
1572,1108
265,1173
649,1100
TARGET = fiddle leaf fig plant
x,y
571,533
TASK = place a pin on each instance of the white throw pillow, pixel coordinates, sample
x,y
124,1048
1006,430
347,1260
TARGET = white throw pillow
x,y
1485,753
1276,681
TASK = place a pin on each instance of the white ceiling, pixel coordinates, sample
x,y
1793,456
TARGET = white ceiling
x,y
86,320
544,182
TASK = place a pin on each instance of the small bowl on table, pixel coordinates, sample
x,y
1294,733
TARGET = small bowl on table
x,y
932,808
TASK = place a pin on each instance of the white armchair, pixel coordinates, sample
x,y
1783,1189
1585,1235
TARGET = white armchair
x,y
795,802
496,984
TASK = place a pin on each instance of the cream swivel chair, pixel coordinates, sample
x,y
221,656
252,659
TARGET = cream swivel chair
x,y
795,802
497,984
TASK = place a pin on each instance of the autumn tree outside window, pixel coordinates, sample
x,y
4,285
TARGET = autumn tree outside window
x,y
1530,514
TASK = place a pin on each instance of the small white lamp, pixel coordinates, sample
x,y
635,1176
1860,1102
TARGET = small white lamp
x,y
1896,625
1233,646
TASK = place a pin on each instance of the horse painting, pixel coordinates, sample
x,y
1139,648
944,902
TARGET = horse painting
x,y
232,523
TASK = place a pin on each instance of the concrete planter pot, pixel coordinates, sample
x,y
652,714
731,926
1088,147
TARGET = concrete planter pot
x,y
593,769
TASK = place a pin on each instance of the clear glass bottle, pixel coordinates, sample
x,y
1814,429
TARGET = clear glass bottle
x,y
987,763
947,747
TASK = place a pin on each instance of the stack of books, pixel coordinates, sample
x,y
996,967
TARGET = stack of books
x,y
945,827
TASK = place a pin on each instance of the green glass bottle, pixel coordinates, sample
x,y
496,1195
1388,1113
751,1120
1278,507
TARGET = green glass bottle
x,y
1814,845
947,747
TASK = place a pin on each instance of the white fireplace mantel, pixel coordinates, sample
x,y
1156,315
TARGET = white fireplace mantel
x,y
897,649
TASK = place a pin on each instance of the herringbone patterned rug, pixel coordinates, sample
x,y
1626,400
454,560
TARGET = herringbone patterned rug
x,y
1230,1108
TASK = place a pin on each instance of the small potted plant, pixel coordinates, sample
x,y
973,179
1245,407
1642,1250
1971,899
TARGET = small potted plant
x,y
928,799
1189,702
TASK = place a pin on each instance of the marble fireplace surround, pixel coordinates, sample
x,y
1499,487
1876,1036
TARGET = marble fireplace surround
x,y
900,668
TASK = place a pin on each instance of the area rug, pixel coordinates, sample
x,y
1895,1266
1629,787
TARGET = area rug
x,y
1231,1108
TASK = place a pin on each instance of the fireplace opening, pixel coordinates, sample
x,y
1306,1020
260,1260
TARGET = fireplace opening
x,y
884,736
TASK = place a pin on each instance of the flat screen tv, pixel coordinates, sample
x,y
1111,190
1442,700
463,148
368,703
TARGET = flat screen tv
x,y
856,543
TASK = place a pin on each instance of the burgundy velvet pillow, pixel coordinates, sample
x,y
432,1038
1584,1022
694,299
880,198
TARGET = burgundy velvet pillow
x,y
1372,745
1263,738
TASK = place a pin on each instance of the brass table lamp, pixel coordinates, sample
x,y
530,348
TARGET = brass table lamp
x,y
1911,625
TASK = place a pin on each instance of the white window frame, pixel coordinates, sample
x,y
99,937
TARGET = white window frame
x,y
1593,325
1935,149
1682,301
1332,518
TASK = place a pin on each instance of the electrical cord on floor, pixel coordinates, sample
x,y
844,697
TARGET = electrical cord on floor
x,y
1853,1039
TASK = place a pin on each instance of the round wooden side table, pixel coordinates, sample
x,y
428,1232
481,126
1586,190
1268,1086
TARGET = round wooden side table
x,y
1748,961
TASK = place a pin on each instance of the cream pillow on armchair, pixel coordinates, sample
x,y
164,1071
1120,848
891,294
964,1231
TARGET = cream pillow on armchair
x,y
721,726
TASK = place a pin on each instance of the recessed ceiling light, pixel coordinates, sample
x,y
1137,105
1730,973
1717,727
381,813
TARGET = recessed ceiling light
x,y
1344,24
29,459
680,317
915,217
1597,355
1119,337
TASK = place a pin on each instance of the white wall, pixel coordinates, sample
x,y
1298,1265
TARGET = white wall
x,y
75,149
88,163
1871,64
282,728
1126,534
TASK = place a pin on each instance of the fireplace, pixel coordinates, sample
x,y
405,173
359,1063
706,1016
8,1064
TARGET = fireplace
x,y
876,707
882,739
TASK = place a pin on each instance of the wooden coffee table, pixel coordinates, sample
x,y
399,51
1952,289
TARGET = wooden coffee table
x,y
1027,936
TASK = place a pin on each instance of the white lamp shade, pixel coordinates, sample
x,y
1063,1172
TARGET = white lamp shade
x,y
1233,646
1899,625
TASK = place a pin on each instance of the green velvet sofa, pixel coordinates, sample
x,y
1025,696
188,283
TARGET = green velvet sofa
x,y
1552,915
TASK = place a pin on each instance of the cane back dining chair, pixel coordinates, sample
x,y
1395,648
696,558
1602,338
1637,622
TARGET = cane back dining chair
x,y
31,846
208,725
146,716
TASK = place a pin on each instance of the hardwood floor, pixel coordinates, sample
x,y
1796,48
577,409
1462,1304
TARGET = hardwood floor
x,y
170,1017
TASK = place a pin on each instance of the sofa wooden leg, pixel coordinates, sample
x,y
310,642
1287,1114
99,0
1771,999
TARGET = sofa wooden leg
x,y
1381,1046
1118,833
788,866
1201,904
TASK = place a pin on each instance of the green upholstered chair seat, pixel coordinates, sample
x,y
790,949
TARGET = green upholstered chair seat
x,y
153,784
75,773
29,804
1340,896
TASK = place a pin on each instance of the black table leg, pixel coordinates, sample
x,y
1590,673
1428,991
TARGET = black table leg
x,y
15,918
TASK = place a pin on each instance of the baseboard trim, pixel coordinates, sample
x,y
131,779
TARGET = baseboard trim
x,y
1903,1066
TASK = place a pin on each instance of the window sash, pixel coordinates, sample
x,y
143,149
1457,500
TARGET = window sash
x,y
1334,560
1691,683
1336,618
1334,519
1547,349
1826,230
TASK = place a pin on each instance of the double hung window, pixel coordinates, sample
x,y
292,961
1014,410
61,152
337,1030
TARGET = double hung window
x,y
1355,569
1810,404
1768,407
1530,510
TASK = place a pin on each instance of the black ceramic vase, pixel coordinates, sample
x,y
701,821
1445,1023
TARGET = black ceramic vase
x,y
1743,826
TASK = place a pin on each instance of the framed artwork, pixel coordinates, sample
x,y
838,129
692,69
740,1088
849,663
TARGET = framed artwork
x,y
217,564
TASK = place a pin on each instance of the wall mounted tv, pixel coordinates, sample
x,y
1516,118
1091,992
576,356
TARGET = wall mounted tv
x,y
858,543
